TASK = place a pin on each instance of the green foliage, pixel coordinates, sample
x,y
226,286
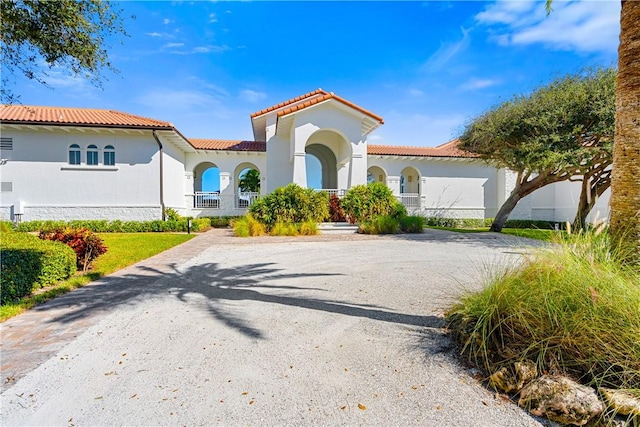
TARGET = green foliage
x,y
67,34
172,214
250,181
411,224
308,228
86,244
118,226
530,223
458,222
28,263
248,226
284,229
291,204
221,221
363,202
6,226
572,308
380,224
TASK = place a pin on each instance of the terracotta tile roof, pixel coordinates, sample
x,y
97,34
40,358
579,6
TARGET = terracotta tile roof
x,y
76,116
290,101
230,145
310,99
449,149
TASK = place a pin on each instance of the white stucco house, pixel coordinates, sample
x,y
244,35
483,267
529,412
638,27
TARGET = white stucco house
x,y
73,163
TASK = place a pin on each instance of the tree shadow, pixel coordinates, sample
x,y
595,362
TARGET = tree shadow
x,y
219,286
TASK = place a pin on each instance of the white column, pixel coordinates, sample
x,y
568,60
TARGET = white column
x,y
393,182
300,169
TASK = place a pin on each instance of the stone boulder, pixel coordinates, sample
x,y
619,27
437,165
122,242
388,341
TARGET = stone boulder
x,y
561,399
623,402
507,381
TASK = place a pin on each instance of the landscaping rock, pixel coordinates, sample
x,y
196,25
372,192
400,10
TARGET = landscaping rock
x,y
560,399
505,380
622,401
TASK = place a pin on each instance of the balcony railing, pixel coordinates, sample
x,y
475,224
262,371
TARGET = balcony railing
x,y
206,200
246,199
331,191
409,200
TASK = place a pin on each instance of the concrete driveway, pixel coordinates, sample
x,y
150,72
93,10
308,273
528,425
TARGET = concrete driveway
x,y
323,330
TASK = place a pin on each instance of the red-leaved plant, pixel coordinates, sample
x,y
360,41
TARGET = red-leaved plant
x,y
86,244
335,210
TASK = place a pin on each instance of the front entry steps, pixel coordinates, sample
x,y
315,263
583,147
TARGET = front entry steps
x,y
337,228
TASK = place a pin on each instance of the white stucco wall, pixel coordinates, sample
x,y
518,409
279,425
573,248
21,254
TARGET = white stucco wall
x,y
48,187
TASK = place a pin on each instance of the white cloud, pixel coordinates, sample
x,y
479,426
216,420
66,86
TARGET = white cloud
x,y
154,34
474,83
416,93
583,26
446,53
167,21
252,96
172,45
178,99
211,49
212,18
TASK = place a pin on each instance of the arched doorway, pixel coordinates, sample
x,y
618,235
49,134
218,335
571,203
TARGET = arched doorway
x,y
206,185
247,184
410,187
321,167
376,174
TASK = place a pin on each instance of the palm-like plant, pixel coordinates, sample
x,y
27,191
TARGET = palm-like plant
x,y
250,181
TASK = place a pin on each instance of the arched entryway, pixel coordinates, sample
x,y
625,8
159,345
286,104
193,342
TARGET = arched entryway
x,y
247,184
410,187
327,154
206,185
376,174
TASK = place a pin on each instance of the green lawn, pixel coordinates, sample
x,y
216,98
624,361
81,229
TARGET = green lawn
x,y
125,249
531,233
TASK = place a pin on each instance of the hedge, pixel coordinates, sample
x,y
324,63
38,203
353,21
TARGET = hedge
x,y
28,263
486,222
118,226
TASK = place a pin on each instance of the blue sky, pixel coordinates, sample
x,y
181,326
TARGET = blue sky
x,y
426,67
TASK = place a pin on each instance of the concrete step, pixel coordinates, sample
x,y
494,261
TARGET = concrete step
x,y
337,228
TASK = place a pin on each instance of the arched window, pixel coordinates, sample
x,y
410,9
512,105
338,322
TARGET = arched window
x,y
92,155
109,155
74,154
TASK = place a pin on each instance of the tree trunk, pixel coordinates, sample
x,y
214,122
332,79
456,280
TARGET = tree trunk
x,y
625,184
593,186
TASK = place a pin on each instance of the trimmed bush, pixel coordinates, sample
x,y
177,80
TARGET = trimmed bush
x,y
222,221
363,202
530,223
28,263
86,245
119,226
6,226
291,204
380,224
411,224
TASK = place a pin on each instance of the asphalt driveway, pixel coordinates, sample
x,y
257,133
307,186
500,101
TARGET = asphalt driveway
x,y
326,330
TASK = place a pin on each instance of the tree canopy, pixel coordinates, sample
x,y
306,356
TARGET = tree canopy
x,y
250,181
70,35
560,131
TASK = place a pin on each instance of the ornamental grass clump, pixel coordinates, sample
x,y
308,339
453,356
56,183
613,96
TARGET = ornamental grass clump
x,y
248,226
572,308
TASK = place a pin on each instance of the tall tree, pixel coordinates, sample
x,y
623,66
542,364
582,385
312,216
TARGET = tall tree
x,y
625,181
250,181
560,131
68,35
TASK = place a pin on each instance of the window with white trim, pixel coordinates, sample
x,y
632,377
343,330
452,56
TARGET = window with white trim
x,y
74,154
109,155
92,155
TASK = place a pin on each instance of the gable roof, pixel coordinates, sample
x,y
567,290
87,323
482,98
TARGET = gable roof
x,y
28,114
449,149
228,145
308,99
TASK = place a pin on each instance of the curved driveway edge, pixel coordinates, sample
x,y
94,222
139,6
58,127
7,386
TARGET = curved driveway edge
x,y
321,330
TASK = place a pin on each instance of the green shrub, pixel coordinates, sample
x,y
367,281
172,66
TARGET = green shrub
x,y
291,204
28,263
284,229
119,226
573,308
86,245
308,228
411,224
380,224
6,226
458,222
171,214
363,202
248,226
221,221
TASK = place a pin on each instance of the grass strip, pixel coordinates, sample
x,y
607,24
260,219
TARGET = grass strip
x,y
124,249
